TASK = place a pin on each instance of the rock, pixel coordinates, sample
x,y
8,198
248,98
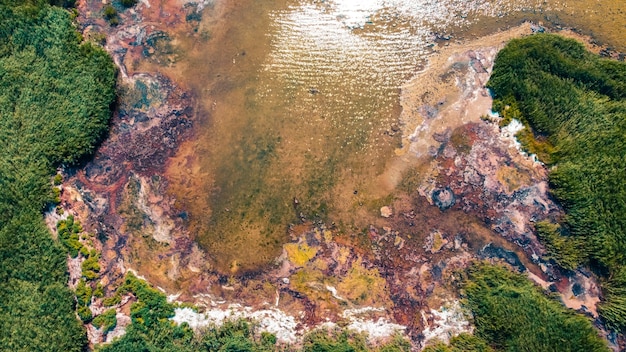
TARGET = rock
x,y
386,212
443,198
577,289
435,242
537,28
492,251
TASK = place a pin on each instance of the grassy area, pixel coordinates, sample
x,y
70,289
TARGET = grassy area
x,y
55,98
574,106
512,314
461,343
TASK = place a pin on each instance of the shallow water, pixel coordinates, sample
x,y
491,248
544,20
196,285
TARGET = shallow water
x,y
300,106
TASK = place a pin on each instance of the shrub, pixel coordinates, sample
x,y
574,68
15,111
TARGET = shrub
x,y
461,343
106,321
109,12
83,293
511,314
84,313
99,291
111,301
574,104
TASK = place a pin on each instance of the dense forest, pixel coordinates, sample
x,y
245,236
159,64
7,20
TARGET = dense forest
x,y
573,104
55,99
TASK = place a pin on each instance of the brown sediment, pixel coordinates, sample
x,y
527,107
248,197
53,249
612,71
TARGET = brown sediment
x,y
123,187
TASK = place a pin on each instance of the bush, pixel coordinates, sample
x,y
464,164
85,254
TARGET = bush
x,y
461,343
90,268
574,104
567,252
109,12
111,301
99,291
84,313
106,321
337,340
83,293
511,314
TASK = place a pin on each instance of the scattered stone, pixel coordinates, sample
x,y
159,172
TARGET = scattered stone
x,y
435,242
537,28
386,212
458,242
443,198
577,289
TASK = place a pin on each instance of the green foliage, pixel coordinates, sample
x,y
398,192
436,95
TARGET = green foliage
x,y
106,321
38,317
110,14
84,313
511,314
55,97
397,344
91,268
232,336
63,3
331,341
268,339
613,309
56,195
68,236
461,343
568,252
58,179
113,300
151,328
537,145
574,103
83,293
99,291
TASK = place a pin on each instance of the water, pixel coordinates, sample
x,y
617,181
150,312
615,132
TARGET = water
x,y
300,101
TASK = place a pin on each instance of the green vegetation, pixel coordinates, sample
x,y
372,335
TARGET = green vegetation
x,y
461,343
106,321
110,14
68,236
574,105
511,314
152,330
55,97
566,250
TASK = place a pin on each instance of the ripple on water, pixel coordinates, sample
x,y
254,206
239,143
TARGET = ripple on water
x,y
315,120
